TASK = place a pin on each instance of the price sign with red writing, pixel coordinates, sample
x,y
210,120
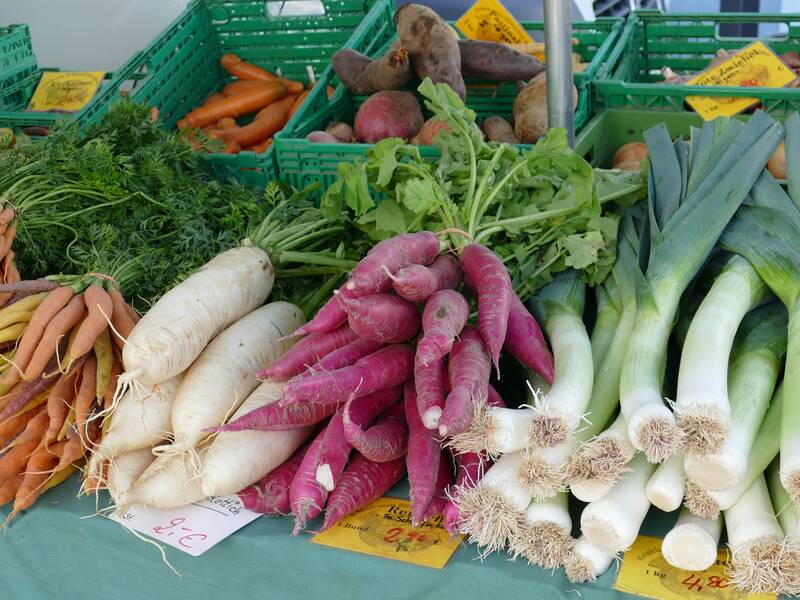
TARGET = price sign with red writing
x,y
192,529
645,572
384,529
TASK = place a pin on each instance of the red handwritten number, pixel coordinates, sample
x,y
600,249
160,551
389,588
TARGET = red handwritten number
x,y
417,537
718,582
160,529
393,535
692,582
201,537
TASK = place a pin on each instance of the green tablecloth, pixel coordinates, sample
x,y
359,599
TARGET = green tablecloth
x,y
57,550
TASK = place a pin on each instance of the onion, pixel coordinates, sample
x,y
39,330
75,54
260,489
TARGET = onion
x,y
776,164
629,155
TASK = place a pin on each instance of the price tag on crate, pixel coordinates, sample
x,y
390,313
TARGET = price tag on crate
x,y
192,529
489,20
384,529
645,572
754,65
65,91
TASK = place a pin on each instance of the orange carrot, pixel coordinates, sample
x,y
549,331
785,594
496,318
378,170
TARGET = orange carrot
x,y
244,70
9,489
153,114
132,313
7,215
27,442
70,452
15,425
60,399
59,326
215,97
37,472
100,308
236,106
44,313
267,122
245,86
120,318
298,101
7,240
86,395
260,147
226,123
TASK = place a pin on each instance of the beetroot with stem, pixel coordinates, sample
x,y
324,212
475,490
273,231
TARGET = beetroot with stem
x,y
388,367
417,283
422,459
363,481
270,495
306,496
346,355
430,383
469,369
308,351
382,317
445,315
525,341
328,318
333,453
488,276
386,440
371,274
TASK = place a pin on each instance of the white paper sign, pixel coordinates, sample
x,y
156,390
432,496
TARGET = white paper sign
x,y
192,529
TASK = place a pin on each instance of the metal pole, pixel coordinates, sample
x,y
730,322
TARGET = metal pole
x,y
558,61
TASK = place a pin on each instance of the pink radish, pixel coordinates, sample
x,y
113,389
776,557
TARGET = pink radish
x,y
469,369
430,382
386,440
417,283
445,315
524,340
362,482
470,468
360,412
489,278
333,453
328,318
278,417
306,496
371,274
346,355
437,504
422,459
306,352
270,495
388,367
382,317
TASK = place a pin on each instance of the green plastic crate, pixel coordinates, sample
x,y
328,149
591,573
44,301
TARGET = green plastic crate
x,y
180,68
20,74
686,43
301,162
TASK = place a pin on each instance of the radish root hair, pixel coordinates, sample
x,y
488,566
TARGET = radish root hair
x,y
702,431
699,502
301,515
542,544
152,543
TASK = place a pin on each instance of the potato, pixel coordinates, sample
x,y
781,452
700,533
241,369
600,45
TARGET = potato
x,y
497,129
530,109
342,132
430,129
632,152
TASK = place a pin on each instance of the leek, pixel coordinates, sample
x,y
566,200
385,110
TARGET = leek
x,y
692,542
665,487
544,538
586,562
679,248
703,408
782,504
754,367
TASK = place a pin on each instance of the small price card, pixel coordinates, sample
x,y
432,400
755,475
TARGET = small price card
x,y
645,572
65,90
384,529
754,65
192,529
489,20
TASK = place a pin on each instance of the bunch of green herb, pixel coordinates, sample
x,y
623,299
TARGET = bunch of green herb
x,y
541,210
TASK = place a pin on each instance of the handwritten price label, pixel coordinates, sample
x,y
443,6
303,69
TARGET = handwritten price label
x,y
489,20
384,529
645,572
192,529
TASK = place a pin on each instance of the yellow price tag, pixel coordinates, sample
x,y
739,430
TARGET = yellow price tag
x,y
384,529
645,572
65,90
489,20
754,65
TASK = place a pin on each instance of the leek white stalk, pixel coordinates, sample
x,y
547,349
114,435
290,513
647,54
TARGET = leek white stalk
x,y
755,364
707,504
703,408
544,537
692,542
681,244
493,510
559,306
762,560
665,487
612,523
785,510
495,430
586,562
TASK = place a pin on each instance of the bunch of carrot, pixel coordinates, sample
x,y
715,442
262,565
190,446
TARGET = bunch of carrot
x,y
8,268
273,99
398,327
59,363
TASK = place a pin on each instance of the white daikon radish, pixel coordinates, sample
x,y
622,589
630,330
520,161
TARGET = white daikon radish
x,y
125,469
235,459
225,373
173,333
169,482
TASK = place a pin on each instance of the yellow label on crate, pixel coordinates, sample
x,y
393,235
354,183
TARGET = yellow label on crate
x,y
489,20
645,572
384,529
754,65
65,90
